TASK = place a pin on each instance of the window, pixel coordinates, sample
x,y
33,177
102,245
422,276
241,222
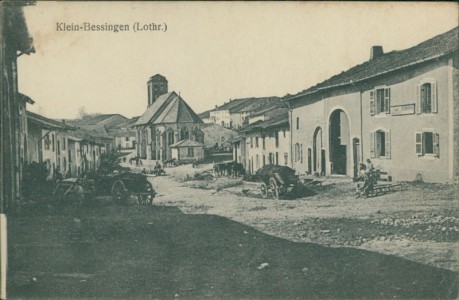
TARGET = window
x,y
127,139
52,141
276,137
263,141
301,153
264,160
427,143
297,152
380,144
257,162
251,142
63,144
256,142
170,136
190,152
47,142
426,97
283,132
380,101
285,158
297,123
277,158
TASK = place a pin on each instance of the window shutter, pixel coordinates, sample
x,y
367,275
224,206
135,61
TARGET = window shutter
x,y
436,144
434,96
419,150
387,146
387,100
418,98
372,144
372,102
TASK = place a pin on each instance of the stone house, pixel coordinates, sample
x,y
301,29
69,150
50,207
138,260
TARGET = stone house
x,y
399,109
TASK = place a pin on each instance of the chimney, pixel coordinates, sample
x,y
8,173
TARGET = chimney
x,y
376,51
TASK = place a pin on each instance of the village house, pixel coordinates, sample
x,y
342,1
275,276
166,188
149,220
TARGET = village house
x,y
114,126
398,109
216,136
233,113
265,140
64,148
205,117
47,143
187,151
15,41
167,120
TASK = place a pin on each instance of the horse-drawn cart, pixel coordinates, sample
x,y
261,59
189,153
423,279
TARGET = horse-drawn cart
x,y
275,181
122,186
72,192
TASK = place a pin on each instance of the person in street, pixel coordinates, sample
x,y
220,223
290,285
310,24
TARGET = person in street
x,y
370,167
59,176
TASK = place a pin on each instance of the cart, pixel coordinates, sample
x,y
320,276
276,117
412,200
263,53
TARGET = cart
x,y
122,186
70,193
274,181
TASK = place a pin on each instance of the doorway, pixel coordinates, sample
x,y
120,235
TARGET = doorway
x,y
318,156
339,141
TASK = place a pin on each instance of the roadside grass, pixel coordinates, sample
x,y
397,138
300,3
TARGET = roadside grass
x,y
143,252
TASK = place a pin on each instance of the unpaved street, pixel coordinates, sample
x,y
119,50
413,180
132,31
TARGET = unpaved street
x,y
418,223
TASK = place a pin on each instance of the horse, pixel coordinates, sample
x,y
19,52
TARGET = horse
x,y
238,169
170,162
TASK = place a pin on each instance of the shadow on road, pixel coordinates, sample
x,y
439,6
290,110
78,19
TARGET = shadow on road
x,y
158,252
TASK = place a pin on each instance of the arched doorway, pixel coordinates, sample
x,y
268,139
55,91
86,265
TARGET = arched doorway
x,y
339,142
318,157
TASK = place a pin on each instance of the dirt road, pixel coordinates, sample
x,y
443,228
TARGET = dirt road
x,y
418,224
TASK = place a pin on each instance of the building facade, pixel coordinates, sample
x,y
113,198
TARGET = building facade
x,y
265,140
15,41
396,109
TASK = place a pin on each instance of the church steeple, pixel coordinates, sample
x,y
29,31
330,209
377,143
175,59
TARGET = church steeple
x,y
157,86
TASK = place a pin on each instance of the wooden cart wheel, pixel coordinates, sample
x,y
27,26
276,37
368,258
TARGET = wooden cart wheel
x,y
264,190
119,192
147,198
273,186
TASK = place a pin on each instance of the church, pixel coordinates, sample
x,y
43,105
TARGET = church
x,y
167,120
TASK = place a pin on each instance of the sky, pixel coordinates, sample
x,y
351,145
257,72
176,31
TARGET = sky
x,y
211,52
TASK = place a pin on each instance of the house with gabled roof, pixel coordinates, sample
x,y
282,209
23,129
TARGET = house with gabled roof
x,y
264,139
398,109
167,120
187,151
233,113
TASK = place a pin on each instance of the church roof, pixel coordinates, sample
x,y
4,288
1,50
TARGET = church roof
x,y
186,143
169,108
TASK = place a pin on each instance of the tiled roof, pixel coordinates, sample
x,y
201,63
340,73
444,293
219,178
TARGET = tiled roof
x,y
204,115
156,108
232,104
433,48
169,108
186,143
261,104
177,111
47,123
101,119
275,117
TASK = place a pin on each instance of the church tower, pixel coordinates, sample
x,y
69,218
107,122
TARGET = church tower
x,y
157,86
